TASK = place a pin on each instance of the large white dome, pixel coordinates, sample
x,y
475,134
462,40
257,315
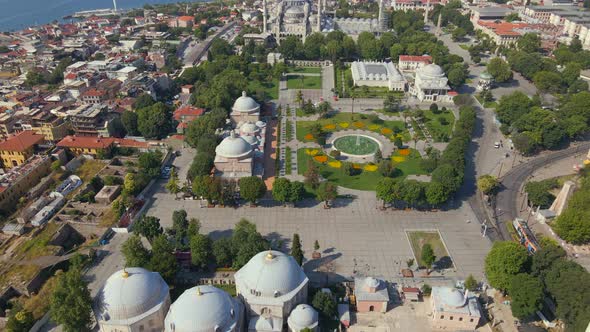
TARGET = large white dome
x,y
245,104
233,146
452,297
270,274
203,309
432,70
132,292
249,128
303,316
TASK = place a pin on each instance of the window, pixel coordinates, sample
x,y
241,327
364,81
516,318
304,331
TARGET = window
x,y
141,328
442,316
451,318
460,319
471,320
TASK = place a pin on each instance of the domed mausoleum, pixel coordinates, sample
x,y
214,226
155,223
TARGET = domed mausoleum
x,y
205,309
233,157
245,109
454,310
133,299
371,294
271,285
431,84
302,317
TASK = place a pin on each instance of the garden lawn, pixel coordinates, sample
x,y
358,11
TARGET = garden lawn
x,y
436,129
343,121
366,180
298,82
358,91
89,169
420,238
271,89
307,70
486,104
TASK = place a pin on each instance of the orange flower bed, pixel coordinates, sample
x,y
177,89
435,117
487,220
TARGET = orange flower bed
x,y
330,126
404,152
357,166
358,124
308,137
321,159
386,131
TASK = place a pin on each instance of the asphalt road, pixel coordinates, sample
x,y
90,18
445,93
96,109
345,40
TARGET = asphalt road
x,y
512,182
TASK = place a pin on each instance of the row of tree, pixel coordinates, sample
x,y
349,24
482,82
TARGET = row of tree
x,y
573,224
530,279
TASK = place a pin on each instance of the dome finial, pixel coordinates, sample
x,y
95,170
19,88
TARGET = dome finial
x,y
199,291
269,256
125,273
244,94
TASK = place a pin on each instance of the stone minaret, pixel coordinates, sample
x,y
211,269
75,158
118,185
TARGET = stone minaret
x,y
438,31
381,18
264,27
319,15
426,12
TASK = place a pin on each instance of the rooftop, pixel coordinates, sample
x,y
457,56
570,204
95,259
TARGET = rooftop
x,y
21,141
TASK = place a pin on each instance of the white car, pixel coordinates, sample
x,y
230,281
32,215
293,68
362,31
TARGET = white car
x,y
497,145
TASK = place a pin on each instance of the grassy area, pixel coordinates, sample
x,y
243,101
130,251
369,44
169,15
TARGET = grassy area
x,y
344,77
38,304
288,161
438,130
297,82
271,89
289,131
343,121
366,179
89,169
419,238
307,70
486,104
17,273
464,46
38,245
230,289
108,219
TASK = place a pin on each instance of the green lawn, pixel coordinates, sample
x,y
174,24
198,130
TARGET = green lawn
x,y
464,46
486,104
297,82
271,89
367,122
420,238
289,131
288,160
358,91
308,70
366,180
439,131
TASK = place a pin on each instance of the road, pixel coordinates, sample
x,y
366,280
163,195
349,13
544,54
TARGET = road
x,y
193,54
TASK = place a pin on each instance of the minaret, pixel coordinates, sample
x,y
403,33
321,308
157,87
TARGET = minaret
x,y
319,15
115,4
426,12
264,27
438,24
381,17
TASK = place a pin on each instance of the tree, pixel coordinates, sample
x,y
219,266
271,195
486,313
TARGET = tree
x,y
526,292
179,228
412,192
142,101
281,190
458,34
504,261
150,162
148,226
312,175
202,165
246,242
386,190
19,319
327,191
512,17
154,122
572,225
163,260
207,187
427,256
136,255
471,283
296,250
434,108
410,263
129,120
316,245
324,304
457,76
130,184
529,42
500,70
538,192
548,81
387,168
222,252
296,191
116,128
487,183
435,193
252,188
200,250
194,226
71,303
172,184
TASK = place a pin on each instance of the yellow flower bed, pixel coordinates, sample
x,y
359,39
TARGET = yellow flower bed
x,y
371,168
312,152
308,137
357,166
374,127
398,159
358,124
404,152
344,124
386,131
330,126
321,159
335,164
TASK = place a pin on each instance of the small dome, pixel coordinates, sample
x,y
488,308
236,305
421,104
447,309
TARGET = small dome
x,y
432,70
252,140
201,309
260,124
303,316
271,273
249,128
294,10
371,282
233,146
132,292
453,297
245,104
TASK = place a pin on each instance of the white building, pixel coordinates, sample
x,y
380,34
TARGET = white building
x,y
131,300
271,285
234,157
205,309
431,84
412,62
452,310
377,74
303,317
245,109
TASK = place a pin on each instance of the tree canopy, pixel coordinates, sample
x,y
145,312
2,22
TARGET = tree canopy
x,y
503,262
71,303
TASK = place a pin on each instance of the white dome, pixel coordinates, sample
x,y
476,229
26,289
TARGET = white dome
x,y
271,273
303,316
260,124
371,282
252,140
245,104
295,10
202,309
233,146
132,292
249,128
452,297
432,70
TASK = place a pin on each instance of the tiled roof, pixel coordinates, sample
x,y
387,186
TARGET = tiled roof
x,y
187,111
94,142
416,58
186,18
21,141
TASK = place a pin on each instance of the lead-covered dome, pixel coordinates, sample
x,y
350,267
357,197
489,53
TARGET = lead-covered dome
x,y
270,274
203,309
233,146
132,292
249,128
452,297
302,317
432,70
245,104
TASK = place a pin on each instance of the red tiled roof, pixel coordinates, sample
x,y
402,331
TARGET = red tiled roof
x,y
21,141
186,18
94,142
410,290
188,111
94,93
504,28
416,58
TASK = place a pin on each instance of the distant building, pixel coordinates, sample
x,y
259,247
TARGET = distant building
x,y
16,183
94,145
273,58
413,62
15,150
371,295
485,81
377,74
88,120
182,22
431,85
453,310
185,114
245,109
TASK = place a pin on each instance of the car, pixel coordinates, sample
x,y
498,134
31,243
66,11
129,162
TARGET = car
x,y
497,145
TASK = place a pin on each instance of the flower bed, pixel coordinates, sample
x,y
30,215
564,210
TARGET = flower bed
x,y
321,159
335,164
309,137
330,126
404,152
398,159
344,125
371,167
